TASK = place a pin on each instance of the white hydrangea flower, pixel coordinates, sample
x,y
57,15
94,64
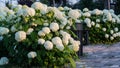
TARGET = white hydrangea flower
x,y
60,47
28,12
85,10
104,29
74,14
32,54
1,38
48,45
40,6
116,29
111,31
87,20
97,20
65,40
41,41
13,29
41,33
88,25
70,22
96,12
20,36
62,26
29,31
46,30
111,38
97,25
60,8
113,20
33,24
75,46
86,14
71,40
119,34
66,8
54,27
78,21
106,35
109,17
56,40
58,14
46,24
115,35
4,60
68,27
111,11
92,23
3,30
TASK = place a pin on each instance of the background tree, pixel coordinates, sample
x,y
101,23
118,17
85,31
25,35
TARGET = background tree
x,y
90,4
117,7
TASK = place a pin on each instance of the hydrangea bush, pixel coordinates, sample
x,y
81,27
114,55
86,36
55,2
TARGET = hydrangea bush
x,y
38,36
103,25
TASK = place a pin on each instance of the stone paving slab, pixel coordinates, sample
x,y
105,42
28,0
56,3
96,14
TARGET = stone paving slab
x,y
101,56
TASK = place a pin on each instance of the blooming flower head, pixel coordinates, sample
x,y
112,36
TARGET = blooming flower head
x,y
60,47
4,60
106,35
54,27
116,29
46,30
41,41
20,36
32,54
40,6
85,10
56,40
48,45
3,30
74,14
41,33
104,29
29,31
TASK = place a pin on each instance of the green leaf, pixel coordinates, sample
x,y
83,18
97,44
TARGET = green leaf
x,y
72,63
39,21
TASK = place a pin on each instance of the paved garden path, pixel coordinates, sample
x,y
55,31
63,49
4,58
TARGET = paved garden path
x,y
100,56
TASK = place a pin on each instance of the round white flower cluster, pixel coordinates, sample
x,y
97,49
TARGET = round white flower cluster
x,y
116,29
88,22
4,60
86,14
74,14
3,30
54,27
20,36
58,42
29,31
48,45
106,35
32,54
44,31
26,11
85,10
40,6
75,45
97,25
41,41
13,28
66,37
97,12
104,29
41,33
